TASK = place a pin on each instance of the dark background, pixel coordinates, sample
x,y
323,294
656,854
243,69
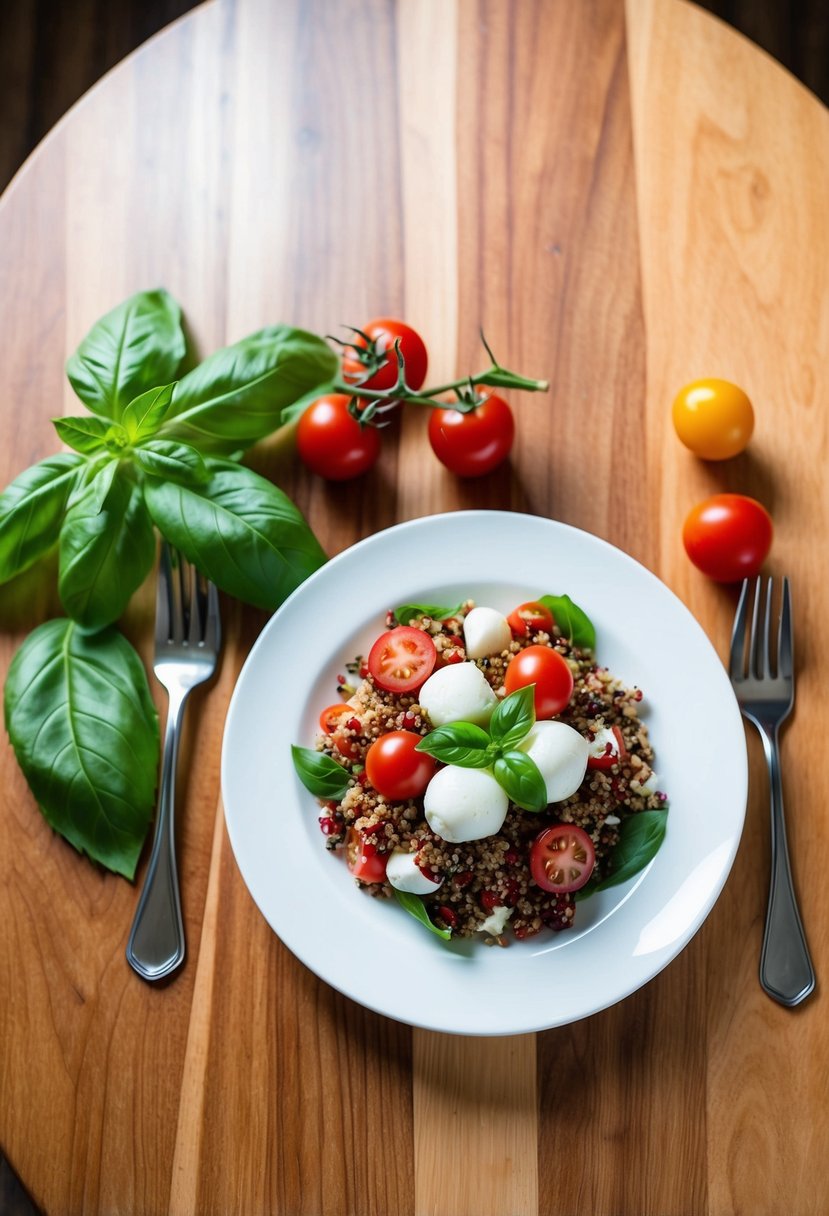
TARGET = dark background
x,y
52,51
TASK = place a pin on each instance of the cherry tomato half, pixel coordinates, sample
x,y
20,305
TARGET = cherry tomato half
x,y
402,659
332,721
395,769
332,444
728,537
562,858
550,674
475,443
607,749
364,861
530,618
713,418
361,356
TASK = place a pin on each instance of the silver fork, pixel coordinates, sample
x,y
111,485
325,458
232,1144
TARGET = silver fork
x,y
187,641
765,694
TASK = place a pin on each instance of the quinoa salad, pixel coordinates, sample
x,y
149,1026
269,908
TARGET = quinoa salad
x,y
484,769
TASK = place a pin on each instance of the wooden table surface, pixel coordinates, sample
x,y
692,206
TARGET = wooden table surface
x,y
626,199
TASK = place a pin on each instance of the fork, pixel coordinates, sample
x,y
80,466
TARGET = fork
x,y
765,694
187,642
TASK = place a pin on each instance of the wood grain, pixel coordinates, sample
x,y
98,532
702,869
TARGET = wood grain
x,y
625,199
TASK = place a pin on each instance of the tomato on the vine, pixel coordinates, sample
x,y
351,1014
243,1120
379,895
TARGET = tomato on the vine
x,y
402,659
472,444
333,444
548,671
713,418
396,769
371,354
562,858
728,537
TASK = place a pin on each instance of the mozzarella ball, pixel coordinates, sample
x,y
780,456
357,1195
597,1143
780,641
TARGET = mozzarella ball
x,y
485,632
403,873
457,693
464,804
561,754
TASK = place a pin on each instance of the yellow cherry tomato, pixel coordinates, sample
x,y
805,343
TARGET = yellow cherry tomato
x,y
713,418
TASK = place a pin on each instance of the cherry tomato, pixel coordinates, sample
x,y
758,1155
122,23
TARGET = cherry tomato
x,y
604,753
530,618
395,769
713,418
562,858
475,443
728,537
332,721
550,674
402,659
361,356
364,861
333,444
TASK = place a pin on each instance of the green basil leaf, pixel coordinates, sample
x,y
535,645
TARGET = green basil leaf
x,y
407,612
640,837
460,743
83,434
175,461
145,413
85,732
94,483
136,346
573,621
240,530
105,552
31,510
237,395
520,778
321,775
513,718
416,908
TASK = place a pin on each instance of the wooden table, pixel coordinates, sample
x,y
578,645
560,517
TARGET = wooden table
x,y
626,199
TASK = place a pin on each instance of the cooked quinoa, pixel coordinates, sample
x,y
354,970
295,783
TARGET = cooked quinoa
x,y
481,875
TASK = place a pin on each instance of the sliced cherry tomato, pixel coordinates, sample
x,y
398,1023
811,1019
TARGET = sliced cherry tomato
x,y
475,443
395,769
713,418
332,444
548,671
364,860
402,659
332,721
376,360
728,537
530,618
562,858
604,751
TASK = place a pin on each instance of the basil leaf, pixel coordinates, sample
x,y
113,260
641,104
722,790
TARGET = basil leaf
x,y
513,718
240,530
144,414
94,483
640,837
573,621
237,395
407,612
460,743
83,434
85,732
31,509
105,553
136,346
416,908
520,778
319,773
175,461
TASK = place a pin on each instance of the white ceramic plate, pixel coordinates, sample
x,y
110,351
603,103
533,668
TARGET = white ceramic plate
x,y
371,949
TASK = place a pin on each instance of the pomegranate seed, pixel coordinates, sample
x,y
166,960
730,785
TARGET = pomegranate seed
x,y
490,900
463,879
354,724
362,777
389,619
510,857
408,720
617,788
557,912
426,871
331,825
638,694
341,679
448,916
363,670
513,891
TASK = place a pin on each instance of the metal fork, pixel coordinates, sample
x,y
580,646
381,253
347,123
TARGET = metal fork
x,y
765,694
187,641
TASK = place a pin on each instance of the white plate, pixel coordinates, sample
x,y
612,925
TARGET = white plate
x,y
371,949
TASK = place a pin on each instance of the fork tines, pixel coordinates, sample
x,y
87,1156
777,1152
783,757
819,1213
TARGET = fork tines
x,y
187,604
758,661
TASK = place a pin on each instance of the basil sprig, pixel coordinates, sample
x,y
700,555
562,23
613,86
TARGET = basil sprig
x,y
574,623
460,743
640,838
416,908
321,775
409,612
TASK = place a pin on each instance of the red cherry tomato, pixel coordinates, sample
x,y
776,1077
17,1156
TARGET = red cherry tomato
x,y
402,659
562,858
364,861
550,674
530,618
332,721
361,357
396,769
475,443
332,444
728,537
604,753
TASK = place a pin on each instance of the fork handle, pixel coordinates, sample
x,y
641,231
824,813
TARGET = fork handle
x,y
786,971
156,944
